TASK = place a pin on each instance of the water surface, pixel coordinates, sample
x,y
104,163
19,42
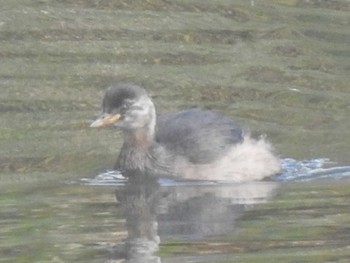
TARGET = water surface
x,y
279,67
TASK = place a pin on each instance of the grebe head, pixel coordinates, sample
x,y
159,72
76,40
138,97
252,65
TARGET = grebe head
x,y
128,107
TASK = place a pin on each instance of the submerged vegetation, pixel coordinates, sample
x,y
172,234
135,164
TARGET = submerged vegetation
x,y
279,67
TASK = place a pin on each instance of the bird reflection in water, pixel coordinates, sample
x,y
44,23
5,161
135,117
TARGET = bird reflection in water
x,y
139,199
191,212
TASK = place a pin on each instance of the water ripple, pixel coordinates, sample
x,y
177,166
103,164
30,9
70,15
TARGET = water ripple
x,y
292,170
313,169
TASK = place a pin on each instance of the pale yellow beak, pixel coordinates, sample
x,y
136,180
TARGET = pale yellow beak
x,y
105,120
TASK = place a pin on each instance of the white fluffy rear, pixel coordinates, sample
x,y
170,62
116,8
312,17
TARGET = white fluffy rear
x,y
249,161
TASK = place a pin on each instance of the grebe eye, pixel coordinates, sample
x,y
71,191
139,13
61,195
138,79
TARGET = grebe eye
x,y
124,108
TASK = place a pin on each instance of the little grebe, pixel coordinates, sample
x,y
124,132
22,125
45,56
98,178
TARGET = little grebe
x,y
190,144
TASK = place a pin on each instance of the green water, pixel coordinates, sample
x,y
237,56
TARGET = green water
x,y
301,222
279,67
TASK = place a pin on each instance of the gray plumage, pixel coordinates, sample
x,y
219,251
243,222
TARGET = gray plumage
x,y
201,136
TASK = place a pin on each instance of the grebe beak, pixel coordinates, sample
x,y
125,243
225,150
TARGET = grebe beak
x,y
105,120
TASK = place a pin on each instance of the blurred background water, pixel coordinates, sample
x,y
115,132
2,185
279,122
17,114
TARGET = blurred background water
x,y
278,67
